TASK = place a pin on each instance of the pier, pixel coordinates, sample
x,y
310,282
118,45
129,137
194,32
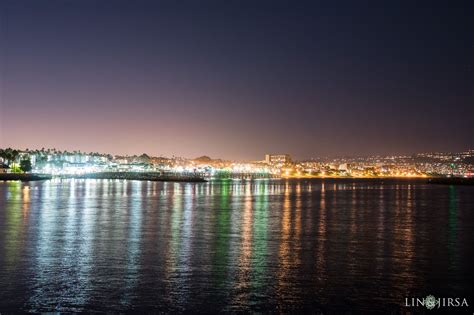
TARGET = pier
x,y
148,176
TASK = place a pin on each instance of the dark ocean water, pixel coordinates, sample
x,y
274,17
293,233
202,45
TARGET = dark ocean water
x,y
298,245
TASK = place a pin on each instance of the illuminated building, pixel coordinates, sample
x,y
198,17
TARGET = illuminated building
x,y
277,159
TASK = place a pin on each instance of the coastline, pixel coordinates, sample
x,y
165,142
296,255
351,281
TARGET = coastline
x,y
157,176
150,176
435,180
451,181
24,177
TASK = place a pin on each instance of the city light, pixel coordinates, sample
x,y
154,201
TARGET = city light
x,y
57,163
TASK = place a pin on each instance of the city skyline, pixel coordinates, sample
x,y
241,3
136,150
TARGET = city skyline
x,y
52,162
259,158
236,80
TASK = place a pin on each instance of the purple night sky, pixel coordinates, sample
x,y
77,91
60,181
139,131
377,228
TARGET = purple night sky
x,y
236,80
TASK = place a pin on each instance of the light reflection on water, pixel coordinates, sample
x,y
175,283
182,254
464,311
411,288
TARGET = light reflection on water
x,y
104,245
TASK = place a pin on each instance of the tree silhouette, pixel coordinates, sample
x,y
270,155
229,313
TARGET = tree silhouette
x,y
25,165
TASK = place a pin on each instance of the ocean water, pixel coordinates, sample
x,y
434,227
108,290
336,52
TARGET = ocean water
x,y
276,245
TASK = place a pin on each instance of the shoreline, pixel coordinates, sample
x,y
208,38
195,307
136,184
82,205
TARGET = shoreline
x,y
434,180
157,176
149,176
467,181
24,177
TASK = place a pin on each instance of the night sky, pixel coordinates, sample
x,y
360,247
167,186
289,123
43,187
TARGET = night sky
x,y
237,79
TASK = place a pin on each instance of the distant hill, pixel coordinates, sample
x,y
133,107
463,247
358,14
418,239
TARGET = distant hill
x,y
210,161
144,158
203,159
